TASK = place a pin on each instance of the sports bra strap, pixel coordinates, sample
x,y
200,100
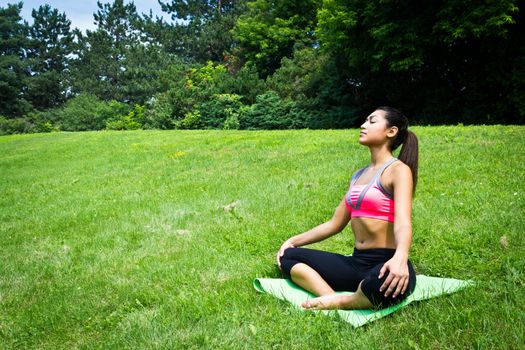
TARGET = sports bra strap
x,y
356,175
374,179
380,171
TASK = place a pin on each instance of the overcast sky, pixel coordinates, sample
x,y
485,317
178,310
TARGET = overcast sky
x,y
80,12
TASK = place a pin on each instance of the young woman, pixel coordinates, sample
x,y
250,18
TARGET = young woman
x,y
379,206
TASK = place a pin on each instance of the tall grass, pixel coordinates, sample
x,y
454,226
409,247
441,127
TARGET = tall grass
x,y
126,240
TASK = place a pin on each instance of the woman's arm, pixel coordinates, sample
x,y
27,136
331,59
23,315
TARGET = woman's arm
x,y
335,225
397,280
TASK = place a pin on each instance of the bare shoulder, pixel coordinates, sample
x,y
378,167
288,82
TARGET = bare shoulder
x,y
397,171
400,169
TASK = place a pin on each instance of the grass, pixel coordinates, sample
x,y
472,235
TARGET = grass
x,y
120,239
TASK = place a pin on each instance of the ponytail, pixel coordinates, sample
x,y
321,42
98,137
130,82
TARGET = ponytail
x,y
405,137
409,155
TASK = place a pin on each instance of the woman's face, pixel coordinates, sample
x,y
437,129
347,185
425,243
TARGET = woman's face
x,y
374,130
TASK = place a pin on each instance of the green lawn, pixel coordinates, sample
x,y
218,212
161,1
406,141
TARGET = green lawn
x,y
120,239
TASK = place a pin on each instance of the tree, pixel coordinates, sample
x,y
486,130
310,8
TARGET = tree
x,y
100,69
202,28
119,61
13,63
429,58
51,44
312,79
270,30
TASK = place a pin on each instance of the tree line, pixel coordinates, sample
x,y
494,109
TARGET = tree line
x,y
262,64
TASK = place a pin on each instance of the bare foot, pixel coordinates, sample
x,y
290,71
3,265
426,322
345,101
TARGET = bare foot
x,y
353,301
326,302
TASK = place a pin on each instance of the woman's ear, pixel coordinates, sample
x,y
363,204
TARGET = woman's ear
x,y
392,132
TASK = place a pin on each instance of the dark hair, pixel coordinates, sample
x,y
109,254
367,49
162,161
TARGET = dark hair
x,y
405,137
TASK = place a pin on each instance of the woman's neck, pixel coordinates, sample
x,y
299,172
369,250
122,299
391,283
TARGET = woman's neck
x,y
379,155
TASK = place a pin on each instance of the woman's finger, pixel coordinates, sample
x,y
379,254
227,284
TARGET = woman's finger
x,y
382,271
405,285
392,285
386,283
400,285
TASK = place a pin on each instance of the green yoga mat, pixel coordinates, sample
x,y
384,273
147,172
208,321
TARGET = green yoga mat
x,y
426,287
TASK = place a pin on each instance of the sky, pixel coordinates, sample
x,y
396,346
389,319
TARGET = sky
x,y
80,12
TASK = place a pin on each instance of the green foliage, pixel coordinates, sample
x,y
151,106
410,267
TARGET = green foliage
x,y
246,83
134,120
395,35
221,111
202,31
15,126
268,112
42,121
126,122
191,120
32,122
117,62
49,51
189,89
232,122
87,112
298,75
13,63
160,112
268,31
211,90
202,83
428,59
329,62
312,80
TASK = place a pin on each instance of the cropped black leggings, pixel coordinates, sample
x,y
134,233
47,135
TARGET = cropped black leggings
x,y
344,273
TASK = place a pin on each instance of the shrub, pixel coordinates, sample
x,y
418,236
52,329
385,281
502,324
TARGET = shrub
x,y
268,112
42,121
159,114
191,120
232,121
124,123
87,112
297,76
132,121
218,109
15,126
210,89
246,83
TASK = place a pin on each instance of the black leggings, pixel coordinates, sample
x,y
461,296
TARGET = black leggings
x,y
344,273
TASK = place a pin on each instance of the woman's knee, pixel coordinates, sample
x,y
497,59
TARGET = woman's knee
x,y
288,260
291,253
371,288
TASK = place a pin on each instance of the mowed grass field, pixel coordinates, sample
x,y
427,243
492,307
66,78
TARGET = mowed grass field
x,y
126,240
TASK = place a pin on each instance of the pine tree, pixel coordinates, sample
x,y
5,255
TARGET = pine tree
x,y
13,64
51,44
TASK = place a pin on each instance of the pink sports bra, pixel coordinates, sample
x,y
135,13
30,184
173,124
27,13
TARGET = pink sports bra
x,y
371,200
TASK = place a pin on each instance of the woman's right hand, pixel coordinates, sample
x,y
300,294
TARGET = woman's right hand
x,y
280,253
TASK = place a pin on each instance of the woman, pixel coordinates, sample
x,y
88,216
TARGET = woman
x,y
379,271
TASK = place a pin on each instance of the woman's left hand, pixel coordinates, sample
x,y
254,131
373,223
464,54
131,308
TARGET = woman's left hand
x,y
397,280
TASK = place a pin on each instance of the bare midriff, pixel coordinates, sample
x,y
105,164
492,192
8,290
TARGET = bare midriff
x,y
373,233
